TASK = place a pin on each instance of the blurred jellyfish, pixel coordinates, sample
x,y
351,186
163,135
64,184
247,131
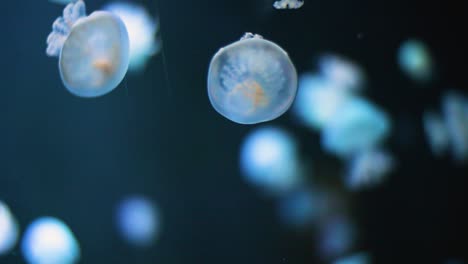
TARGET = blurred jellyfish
x,y
8,229
357,258
456,118
269,159
336,236
358,125
251,80
299,208
48,240
415,60
288,4
93,50
436,132
368,168
142,29
138,221
343,73
318,100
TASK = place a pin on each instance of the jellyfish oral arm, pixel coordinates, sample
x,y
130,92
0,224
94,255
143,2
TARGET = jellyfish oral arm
x,y
62,26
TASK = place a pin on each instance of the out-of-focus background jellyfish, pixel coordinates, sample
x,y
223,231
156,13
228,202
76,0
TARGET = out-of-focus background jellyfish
x,y
251,80
336,236
436,132
9,229
368,168
142,30
269,159
288,4
48,240
415,60
358,125
93,50
344,73
138,221
356,258
63,2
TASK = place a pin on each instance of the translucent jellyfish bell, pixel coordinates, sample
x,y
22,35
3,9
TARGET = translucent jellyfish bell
x,y
436,132
288,4
138,221
251,80
142,29
93,50
9,229
415,60
48,240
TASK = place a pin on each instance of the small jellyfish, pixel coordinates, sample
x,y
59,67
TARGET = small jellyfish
x,y
251,80
415,60
9,229
345,74
358,125
269,159
456,118
436,133
336,236
93,50
48,240
368,168
288,4
142,29
138,221
317,101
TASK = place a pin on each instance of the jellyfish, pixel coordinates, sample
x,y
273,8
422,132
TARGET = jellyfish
x,y
415,60
356,258
142,29
368,168
251,80
345,74
358,125
93,50
456,119
138,221
317,101
269,159
48,240
9,229
436,132
288,4
336,235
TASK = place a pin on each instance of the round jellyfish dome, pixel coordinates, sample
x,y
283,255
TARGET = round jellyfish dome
x,y
251,80
95,56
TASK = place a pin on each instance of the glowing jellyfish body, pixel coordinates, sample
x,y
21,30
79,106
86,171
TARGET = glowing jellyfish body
x,y
48,240
8,229
343,73
142,29
456,119
288,4
93,50
317,101
251,80
415,60
269,159
357,126
368,168
436,133
138,221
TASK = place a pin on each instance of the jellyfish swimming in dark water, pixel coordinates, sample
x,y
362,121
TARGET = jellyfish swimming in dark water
x,y
93,50
251,80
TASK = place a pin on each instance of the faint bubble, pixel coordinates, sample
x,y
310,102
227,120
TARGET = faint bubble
x,y
138,221
48,240
9,229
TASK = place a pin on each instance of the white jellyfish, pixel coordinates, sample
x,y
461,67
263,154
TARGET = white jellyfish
x,y
8,229
142,29
138,221
251,80
358,125
48,240
93,50
343,73
269,159
415,60
288,4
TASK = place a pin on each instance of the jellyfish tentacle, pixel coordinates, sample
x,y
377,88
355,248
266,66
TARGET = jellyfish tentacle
x,y
62,26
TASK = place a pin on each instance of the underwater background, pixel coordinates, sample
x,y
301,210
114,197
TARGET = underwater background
x,y
157,135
